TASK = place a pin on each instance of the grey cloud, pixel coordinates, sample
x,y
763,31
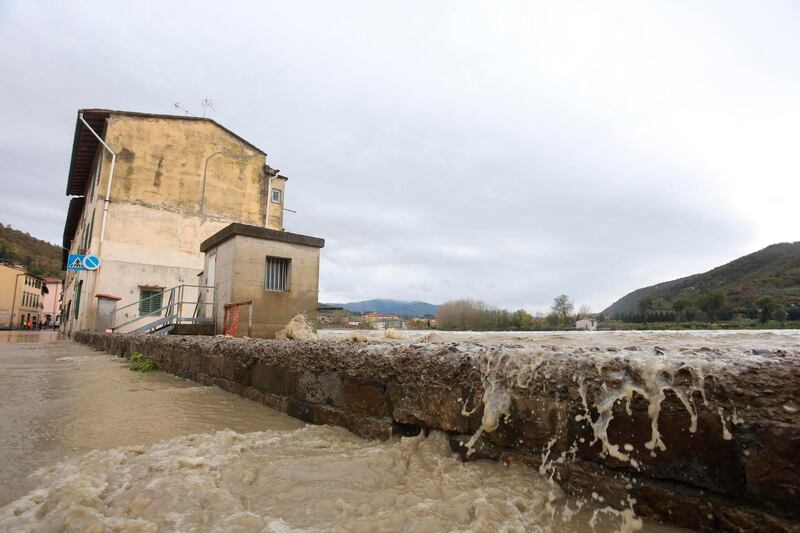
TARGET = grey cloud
x,y
443,150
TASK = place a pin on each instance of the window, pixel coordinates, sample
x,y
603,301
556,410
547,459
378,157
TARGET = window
x,y
86,241
150,301
278,274
78,298
276,195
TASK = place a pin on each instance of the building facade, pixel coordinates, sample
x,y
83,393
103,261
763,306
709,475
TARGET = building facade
x,y
147,190
51,301
21,298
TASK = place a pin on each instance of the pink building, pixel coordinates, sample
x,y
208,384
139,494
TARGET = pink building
x,y
51,301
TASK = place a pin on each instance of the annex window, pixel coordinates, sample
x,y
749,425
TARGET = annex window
x,y
276,195
278,274
150,301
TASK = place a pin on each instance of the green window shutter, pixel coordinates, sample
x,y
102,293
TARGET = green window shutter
x,y
78,298
149,302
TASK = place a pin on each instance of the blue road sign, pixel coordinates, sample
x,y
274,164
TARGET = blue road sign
x,y
91,262
83,262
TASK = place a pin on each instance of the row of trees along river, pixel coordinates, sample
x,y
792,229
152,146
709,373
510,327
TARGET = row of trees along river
x,y
476,315
706,310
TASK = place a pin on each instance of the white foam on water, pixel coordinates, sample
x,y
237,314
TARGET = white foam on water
x,y
604,377
298,328
317,478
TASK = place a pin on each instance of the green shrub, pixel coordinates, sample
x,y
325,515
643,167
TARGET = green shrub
x,y
141,363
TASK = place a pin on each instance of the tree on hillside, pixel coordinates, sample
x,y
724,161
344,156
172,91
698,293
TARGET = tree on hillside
x,y
562,307
767,307
644,305
680,306
711,303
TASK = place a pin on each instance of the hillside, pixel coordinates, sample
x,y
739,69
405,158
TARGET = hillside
x,y
399,307
38,256
773,271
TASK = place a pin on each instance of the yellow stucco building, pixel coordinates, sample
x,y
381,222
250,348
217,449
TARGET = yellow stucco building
x,y
148,189
20,297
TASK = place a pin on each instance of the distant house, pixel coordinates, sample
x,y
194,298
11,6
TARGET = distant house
x,y
327,314
383,320
381,316
586,324
419,323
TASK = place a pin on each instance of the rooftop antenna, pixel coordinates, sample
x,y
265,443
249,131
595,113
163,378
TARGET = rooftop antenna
x,y
207,104
179,106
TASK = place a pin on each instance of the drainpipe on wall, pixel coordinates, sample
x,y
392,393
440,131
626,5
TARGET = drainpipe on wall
x,y
105,207
269,196
110,179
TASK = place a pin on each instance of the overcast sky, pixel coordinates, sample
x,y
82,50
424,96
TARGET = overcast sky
x,y
496,150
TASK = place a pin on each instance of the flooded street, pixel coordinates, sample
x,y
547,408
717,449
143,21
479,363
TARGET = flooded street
x,y
59,399
88,445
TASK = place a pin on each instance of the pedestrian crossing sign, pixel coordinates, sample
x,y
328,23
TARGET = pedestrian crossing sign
x,y
83,262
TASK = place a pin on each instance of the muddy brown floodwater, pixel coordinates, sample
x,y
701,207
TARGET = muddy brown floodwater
x,y
88,445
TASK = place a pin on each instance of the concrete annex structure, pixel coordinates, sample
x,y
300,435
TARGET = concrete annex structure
x,y
273,275
586,324
147,190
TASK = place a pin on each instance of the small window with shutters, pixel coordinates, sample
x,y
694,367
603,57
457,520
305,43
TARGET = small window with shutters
x,y
278,274
149,301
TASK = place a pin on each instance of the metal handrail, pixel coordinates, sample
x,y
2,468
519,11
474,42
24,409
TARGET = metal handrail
x,y
162,292
172,304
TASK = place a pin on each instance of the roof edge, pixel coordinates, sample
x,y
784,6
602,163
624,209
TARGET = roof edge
x,y
140,114
245,230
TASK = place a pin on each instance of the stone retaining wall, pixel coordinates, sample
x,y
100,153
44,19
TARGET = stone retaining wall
x,y
738,470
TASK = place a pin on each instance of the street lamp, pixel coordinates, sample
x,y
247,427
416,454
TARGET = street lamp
x,y
205,173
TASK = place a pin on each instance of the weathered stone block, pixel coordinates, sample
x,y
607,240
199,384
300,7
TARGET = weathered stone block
x,y
320,387
273,379
367,398
433,407
771,457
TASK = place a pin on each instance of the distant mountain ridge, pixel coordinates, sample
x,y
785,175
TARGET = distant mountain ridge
x,y
773,271
398,307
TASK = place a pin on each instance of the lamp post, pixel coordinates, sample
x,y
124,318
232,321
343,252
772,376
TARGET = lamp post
x,y
205,173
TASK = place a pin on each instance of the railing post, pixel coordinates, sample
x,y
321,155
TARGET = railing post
x,y
180,304
214,308
250,319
